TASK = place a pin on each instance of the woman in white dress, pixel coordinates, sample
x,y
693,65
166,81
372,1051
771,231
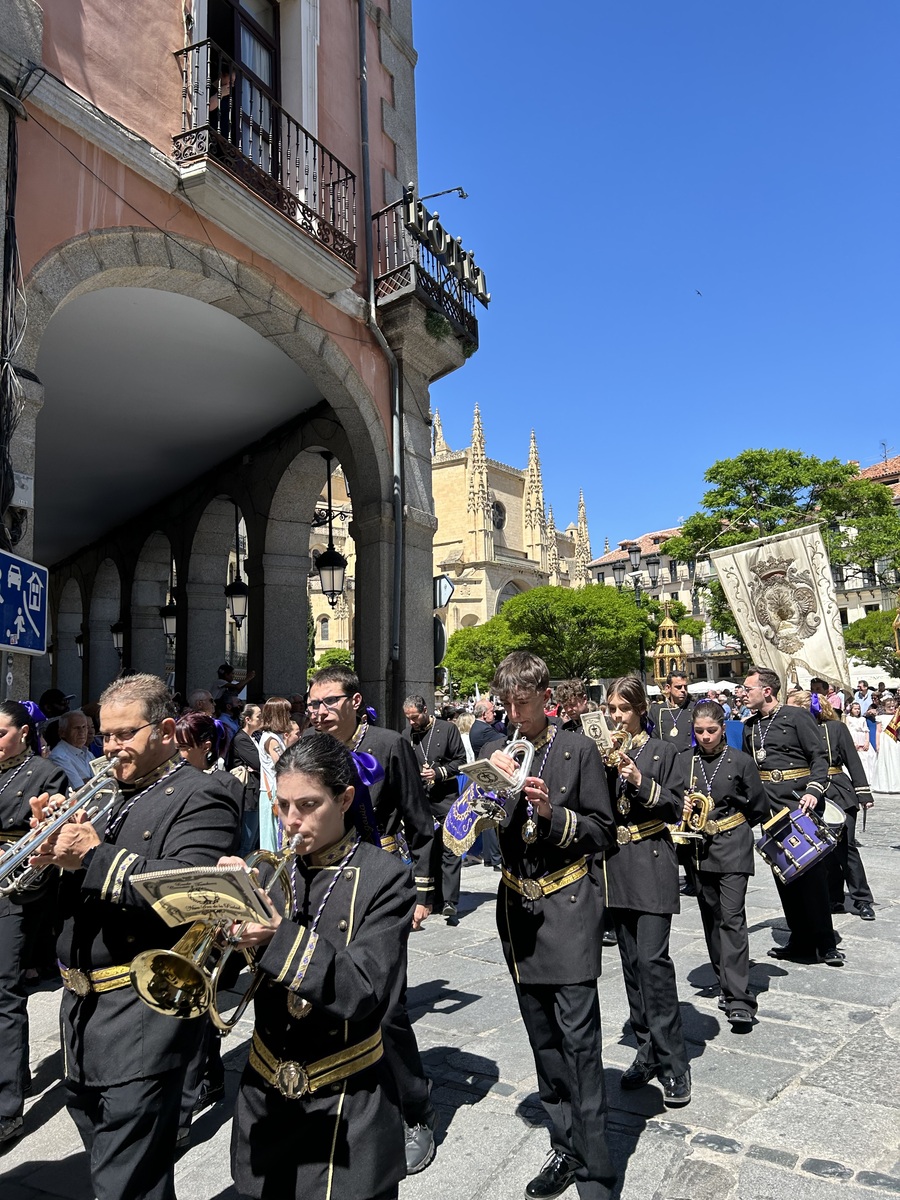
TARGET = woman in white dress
x,y
859,731
278,732
886,781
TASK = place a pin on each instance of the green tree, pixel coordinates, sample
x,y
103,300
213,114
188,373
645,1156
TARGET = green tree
x,y
474,653
762,492
333,657
581,633
871,640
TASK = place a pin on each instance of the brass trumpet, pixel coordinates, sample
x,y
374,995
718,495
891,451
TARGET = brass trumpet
x,y
621,744
16,874
694,825
522,753
180,983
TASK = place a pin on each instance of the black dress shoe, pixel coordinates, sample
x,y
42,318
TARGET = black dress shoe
x,y
722,1003
740,1018
838,908
11,1128
609,938
830,957
638,1075
677,1089
554,1177
209,1096
419,1148
788,952
866,912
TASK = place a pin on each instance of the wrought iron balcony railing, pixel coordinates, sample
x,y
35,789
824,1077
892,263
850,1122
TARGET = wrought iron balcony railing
x,y
229,118
404,265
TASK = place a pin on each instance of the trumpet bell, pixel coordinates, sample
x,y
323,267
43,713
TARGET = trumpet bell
x,y
177,982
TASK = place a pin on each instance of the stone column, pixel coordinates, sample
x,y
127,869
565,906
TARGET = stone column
x,y
372,531
148,640
104,663
205,604
284,620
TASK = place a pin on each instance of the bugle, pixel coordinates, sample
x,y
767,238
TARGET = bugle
x,y
16,874
693,825
180,982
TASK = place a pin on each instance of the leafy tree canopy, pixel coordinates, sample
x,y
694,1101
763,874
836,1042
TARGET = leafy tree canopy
x,y
871,641
762,492
333,657
475,652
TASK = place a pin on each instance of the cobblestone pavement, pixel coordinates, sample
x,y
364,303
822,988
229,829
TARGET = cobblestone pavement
x,y
805,1107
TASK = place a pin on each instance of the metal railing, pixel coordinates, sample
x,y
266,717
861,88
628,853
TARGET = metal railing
x,y
403,264
227,117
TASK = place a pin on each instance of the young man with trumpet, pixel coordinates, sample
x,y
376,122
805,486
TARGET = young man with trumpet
x,y
125,1065
549,913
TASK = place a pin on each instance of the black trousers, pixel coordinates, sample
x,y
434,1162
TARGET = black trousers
x,y
563,1026
844,863
13,1011
204,1070
651,989
129,1131
402,1053
446,867
490,847
722,909
807,911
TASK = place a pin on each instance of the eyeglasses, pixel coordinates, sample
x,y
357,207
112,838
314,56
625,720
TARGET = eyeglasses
x,y
124,736
329,702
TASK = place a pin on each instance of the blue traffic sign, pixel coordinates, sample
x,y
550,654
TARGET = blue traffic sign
x,y
23,605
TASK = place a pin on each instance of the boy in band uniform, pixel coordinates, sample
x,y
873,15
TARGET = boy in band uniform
x,y
549,914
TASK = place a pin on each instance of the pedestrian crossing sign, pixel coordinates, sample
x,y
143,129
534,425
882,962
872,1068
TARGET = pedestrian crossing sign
x,y
23,605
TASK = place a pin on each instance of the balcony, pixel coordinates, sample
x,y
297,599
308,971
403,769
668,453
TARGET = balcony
x,y
229,120
405,266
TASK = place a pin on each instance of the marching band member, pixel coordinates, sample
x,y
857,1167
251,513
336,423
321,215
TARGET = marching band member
x,y
671,716
642,892
850,791
549,911
23,776
317,1114
786,746
407,827
125,1065
440,753
722,859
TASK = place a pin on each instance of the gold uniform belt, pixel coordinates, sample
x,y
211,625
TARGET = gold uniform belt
x,y
634,833
776,776
713,827
104,979
835,770
11,835
546,885
390,844
294,1079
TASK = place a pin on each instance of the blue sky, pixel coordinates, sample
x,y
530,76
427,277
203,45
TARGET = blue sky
x,y
622,156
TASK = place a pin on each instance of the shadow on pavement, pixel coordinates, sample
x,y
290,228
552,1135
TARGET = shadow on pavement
x,y
437,996
459,1080
69,1177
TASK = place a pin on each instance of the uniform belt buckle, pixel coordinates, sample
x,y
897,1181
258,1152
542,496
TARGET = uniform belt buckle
x,y
291,1080
776,776
624,835
531,889
78,982
711,827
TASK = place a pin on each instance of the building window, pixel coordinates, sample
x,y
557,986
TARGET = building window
x,y
871,608
498,515
837,574
845,620
701,670
867,577
673,596
324,629
601,576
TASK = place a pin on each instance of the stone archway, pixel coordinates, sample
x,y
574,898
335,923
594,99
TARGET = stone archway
x,y
148,595
68,625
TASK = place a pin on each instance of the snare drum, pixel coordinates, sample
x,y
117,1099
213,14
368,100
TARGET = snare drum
x,y
834,818
792,842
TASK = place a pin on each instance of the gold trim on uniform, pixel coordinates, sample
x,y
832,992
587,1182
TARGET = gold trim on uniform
x,y
115,893
636,833
545,885
571,827
713,827
655,793
331,854
11,835
114,865
104,979
295,1080
777,776
289,958
390,844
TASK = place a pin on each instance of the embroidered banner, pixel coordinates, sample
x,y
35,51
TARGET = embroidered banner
x,y
781,593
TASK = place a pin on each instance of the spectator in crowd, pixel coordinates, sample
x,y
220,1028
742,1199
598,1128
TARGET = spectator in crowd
x,y
863,696
200,700
573,703
95,742
251,720
278,732
464,723
887,769
483,729
53,703
859,731
226,685
70,752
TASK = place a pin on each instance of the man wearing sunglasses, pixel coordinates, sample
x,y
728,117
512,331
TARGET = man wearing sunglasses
x,y
335,706
125,1064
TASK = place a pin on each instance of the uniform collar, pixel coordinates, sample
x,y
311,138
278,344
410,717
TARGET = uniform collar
x,y
543,737
332,854
153,776
9,764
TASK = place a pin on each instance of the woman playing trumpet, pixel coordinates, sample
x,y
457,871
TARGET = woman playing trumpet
x,y
648,784
317,1113
720,861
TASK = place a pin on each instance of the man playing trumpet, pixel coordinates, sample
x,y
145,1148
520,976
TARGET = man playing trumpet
x,y
125,1065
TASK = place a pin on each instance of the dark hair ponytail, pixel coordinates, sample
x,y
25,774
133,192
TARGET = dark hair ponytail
x,y
19,715
323,757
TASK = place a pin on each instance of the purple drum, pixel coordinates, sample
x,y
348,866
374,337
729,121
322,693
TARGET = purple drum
x,y
792,842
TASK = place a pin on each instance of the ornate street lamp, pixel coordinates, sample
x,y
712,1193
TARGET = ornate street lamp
x,y
634,553
118,635
237,593
331,565
168,613
79,644
653,569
